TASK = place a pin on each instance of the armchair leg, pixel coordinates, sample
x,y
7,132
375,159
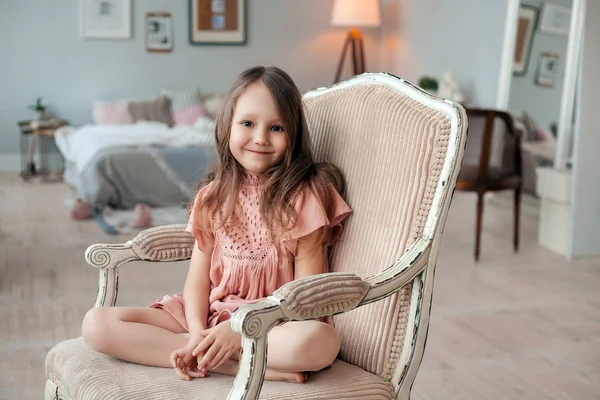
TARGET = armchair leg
x,y
253,364
478,224
517,216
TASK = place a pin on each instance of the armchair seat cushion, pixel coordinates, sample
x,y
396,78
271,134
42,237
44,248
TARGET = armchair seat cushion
x,y
84,374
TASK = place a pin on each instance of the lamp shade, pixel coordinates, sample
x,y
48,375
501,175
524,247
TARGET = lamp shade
x,y
358,13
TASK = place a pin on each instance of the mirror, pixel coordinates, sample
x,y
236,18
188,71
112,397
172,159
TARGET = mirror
x,y
541,44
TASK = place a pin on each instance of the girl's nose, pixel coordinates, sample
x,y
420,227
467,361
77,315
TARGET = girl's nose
x,y
261,137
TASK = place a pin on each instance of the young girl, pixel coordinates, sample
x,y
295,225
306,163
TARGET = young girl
x,y
265,216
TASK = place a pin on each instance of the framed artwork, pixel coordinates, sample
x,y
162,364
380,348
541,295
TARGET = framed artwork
x,y
106,19
524,37
547,69
159,32
555,19
217,22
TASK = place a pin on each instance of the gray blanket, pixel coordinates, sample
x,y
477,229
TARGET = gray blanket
x,y
158,177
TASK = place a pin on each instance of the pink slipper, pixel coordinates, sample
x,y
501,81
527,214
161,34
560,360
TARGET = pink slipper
x,y
81,210
142,216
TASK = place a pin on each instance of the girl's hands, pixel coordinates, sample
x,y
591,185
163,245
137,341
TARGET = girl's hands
x,y
184,363
218,345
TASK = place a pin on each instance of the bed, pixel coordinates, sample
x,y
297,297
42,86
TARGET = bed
x,y
119,166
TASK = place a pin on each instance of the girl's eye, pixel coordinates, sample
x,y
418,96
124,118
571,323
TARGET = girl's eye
x,y
277,128
247,123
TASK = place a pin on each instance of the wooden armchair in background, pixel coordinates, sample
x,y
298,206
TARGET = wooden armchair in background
x,y
485,170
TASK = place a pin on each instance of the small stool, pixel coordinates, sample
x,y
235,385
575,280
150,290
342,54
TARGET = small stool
x,y
42,130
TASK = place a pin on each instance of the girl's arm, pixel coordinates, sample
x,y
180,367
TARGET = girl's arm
x,y
309,255
196,291
195,296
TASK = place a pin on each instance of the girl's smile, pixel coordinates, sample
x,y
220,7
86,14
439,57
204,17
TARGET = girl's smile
x,y
260,153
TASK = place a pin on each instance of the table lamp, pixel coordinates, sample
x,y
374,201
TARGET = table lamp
x,y
354,14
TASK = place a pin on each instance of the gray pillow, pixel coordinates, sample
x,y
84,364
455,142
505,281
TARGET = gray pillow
x,y
158,109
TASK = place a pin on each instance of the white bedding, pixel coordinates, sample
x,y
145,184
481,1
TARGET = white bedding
x,y
80,145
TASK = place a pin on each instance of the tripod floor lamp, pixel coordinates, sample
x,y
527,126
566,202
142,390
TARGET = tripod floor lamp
x,y
354,14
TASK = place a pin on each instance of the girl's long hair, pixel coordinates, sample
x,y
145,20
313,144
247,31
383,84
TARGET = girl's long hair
x,y
296,169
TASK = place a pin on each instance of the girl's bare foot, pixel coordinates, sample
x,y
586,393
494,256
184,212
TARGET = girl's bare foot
x,y
296,377
230,367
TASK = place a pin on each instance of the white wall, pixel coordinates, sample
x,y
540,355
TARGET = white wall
x,y
429,37
585,206
542,103
43,54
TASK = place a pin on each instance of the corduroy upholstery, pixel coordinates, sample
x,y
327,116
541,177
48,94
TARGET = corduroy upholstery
x,y
390,149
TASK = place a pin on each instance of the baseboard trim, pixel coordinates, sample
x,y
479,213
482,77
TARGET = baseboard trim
x,y
10,162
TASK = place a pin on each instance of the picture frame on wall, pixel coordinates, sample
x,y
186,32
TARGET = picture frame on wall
x,y
524,38
555,19
547,69
106,19
217,22
159,32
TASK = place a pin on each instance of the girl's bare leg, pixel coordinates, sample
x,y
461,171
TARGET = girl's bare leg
x,y
148,336
231,367
295,348
141,335
302,346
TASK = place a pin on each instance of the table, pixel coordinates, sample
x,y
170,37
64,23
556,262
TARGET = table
x,y
42,130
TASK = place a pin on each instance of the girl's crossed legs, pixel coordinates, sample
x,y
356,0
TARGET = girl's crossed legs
x,y
148,336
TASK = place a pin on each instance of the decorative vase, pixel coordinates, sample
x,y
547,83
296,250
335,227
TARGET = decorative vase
x,y
38,115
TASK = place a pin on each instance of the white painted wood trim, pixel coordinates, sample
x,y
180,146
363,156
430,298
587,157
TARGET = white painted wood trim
x,y
567,103
409,339
508,52
412,263
108,258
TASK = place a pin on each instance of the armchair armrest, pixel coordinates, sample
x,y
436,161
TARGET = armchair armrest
x,y
162,243
309,298
320,295
312,297
404,270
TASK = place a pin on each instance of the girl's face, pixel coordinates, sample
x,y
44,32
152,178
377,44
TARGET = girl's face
x,y
258,140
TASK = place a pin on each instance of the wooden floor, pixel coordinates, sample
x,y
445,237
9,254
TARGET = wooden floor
x,y
514,326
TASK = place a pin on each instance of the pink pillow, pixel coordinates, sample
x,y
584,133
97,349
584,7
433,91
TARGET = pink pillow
x,y
111,114
189,115
541,134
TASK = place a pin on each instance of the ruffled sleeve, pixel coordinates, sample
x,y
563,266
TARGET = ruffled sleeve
x,y
313,213
200,223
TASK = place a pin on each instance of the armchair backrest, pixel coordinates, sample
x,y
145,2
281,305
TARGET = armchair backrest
x,y
399,149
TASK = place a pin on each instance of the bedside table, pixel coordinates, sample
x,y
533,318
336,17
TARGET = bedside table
x,y
43,130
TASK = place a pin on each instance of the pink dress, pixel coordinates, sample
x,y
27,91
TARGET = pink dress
x,y
247,265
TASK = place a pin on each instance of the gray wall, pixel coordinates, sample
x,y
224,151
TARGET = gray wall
x,y
541,102
429,37
44,54
585,221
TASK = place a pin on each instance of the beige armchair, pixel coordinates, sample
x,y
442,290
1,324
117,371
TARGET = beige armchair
x,y
400,150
